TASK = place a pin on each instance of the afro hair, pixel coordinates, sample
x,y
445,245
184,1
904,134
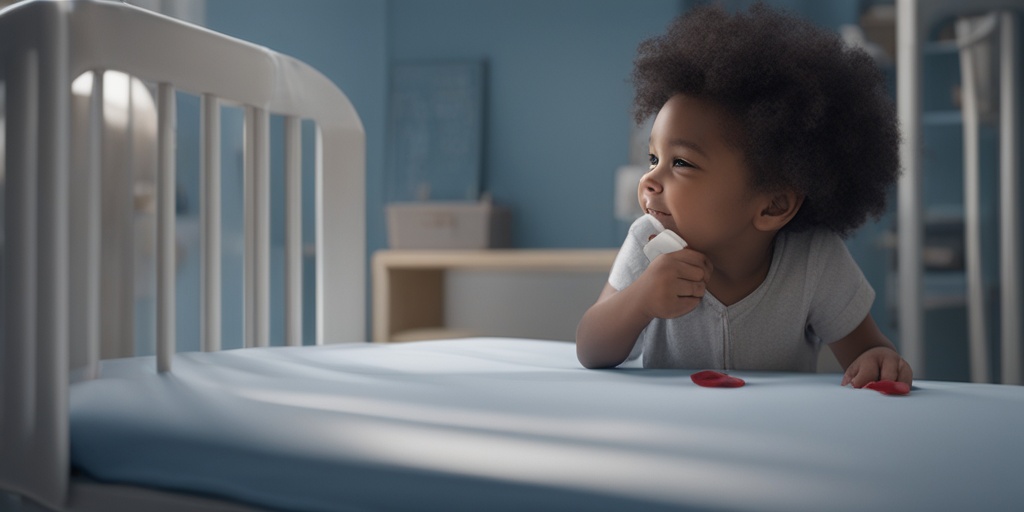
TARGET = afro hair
x,y
814,114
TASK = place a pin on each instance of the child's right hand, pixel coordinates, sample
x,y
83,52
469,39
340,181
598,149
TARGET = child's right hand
x,y
673,284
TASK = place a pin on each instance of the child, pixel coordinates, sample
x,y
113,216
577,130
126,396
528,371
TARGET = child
x,y
772,142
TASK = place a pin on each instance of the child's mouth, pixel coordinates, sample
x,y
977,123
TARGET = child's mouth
x,y
664,218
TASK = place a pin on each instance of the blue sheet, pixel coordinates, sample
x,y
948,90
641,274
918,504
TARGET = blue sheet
x,y
510,424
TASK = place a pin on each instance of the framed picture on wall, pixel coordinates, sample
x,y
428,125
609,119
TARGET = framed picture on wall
x,y
435,131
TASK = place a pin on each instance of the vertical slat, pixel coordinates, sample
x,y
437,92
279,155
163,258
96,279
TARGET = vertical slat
x,y
85,234
323,285
20,266
911,234
51,372
1009,200
977,336
293,231
262,264
248,212
257,227
117,285
210,216
95,213
165,258
340,197
125,222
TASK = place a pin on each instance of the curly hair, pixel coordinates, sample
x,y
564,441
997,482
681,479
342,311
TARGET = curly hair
x,y
813,114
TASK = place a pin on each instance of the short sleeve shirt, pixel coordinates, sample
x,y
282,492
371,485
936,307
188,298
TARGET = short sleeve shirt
x,y
814,293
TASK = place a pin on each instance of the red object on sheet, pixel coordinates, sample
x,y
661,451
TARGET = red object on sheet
x,y
713,379
889,387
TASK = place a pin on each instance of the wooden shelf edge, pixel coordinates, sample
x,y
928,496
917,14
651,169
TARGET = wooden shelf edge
x,y
582,260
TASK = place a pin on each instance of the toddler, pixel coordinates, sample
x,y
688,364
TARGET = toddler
x,y
772,141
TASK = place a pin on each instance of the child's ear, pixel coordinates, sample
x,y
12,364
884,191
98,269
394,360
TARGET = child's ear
x,y
779,210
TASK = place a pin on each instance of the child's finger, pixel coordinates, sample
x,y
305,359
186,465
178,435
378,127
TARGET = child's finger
x,y
905,373
865,374
685,288
690,272
695,258
890,369
848,375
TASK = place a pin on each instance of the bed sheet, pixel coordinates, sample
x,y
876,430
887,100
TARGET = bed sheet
x,y
513,424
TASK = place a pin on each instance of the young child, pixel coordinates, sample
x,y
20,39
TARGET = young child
x,y
772,141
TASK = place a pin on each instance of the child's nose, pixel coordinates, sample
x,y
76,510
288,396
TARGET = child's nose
x,y
649,184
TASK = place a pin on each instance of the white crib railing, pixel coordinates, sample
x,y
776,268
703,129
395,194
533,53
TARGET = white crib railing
x,y
52,228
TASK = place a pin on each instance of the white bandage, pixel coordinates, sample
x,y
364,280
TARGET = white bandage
x,y
666,241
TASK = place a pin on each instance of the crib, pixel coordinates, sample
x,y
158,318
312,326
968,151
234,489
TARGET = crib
x,y
460,424
52,225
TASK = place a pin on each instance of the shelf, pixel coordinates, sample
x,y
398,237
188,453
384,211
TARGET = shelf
x,y
408,285
942,118
561,260
435,333
944,290
944,47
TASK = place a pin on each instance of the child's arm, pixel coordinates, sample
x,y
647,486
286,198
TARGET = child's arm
x,y
867,356
671,286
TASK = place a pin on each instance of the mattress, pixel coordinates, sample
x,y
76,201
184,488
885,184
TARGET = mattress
x,y
515,424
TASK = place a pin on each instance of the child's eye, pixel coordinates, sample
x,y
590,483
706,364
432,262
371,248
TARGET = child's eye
x,y
679,162
653,159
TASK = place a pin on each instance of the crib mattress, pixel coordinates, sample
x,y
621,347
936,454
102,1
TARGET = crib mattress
x,y
513,424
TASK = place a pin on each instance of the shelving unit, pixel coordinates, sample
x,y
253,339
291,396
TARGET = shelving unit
x,y
926,116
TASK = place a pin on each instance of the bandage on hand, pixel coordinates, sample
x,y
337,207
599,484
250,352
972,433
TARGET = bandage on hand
x,y
665,242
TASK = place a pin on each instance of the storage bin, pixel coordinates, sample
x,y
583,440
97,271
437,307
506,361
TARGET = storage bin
x,y
447,225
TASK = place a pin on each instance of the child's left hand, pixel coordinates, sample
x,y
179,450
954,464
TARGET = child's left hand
x,y
878,363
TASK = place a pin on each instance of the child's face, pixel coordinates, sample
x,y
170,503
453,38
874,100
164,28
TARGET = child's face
x,y
698,185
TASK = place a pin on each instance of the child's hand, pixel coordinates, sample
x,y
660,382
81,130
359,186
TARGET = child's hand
x,y
878,363
674,283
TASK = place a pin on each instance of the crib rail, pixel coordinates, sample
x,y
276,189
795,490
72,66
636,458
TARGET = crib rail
x,y
52,226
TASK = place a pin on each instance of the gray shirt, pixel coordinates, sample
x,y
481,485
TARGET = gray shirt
x,y
814,293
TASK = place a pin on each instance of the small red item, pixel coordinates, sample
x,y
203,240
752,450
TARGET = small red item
x,y
713,379
889,387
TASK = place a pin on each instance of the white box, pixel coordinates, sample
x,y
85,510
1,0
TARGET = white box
x,y
447,225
